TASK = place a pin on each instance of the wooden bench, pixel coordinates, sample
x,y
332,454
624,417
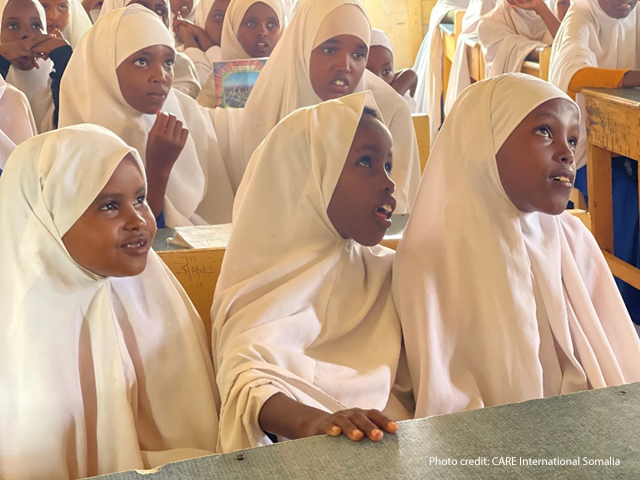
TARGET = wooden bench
x,y
540,68
475,57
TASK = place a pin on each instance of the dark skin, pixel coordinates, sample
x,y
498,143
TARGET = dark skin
x,y
618,8
192,36
259,31
57,12
380,63
113,236
542,145
22,35
337,65
561,8
182,7
159,7
543,11
145,80
364,184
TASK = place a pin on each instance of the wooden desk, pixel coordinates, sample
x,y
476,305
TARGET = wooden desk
x,y
475,57
449,33
421,127
540,68
613,126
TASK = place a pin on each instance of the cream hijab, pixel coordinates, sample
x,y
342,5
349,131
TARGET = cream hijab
x,y
288,308
90,93
498,306
35,83
79,23
16,121
98,374
284,86
508,35
231,47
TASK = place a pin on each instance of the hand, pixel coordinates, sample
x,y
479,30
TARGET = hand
x,y
57,33
355,423
24,48
165,142
49,45
185,34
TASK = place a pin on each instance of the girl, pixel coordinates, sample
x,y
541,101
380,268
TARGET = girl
x,y
598,45
185,73
502,296
289,309
31,60
184,8
16,121
513,31
66,19
95,330
380,63
322,55
120,77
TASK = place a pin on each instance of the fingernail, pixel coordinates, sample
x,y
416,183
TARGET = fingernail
x,y
335,430
376,433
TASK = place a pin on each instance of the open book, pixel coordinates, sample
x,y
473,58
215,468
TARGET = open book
x,y
234,80
202,236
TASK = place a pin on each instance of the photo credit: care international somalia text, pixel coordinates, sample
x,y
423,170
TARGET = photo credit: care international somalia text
x,y
525,461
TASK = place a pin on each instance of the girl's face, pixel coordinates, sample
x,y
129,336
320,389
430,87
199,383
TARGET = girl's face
x,y
159,7
113,236
536,163
337,65
57,12
380,63
259,31
618,8
19,21
362,202
213,25
145,78
182,7
561,8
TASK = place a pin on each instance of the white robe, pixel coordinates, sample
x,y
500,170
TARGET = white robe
x,y
16,120
295,302
98,374
499,306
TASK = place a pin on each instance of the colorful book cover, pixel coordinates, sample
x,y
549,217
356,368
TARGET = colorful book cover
x,y
234,81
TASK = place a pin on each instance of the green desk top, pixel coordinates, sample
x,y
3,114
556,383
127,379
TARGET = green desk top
x,y
598,432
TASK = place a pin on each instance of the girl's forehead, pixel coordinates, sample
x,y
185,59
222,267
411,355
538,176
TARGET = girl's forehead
x,y
22,8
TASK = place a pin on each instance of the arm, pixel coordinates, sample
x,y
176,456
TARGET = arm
x,y
60,57
602,78
405,80
543,11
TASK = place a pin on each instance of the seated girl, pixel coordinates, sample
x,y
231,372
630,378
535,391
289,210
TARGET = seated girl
x,y
597,46
289,309
120,77
513,31
322,55
503,296
381,63
16,121
66,19
31,60
109,363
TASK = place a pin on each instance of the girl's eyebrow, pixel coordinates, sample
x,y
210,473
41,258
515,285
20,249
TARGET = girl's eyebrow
x,y
108,196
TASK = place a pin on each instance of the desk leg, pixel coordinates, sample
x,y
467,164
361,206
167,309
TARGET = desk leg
x,y
600,196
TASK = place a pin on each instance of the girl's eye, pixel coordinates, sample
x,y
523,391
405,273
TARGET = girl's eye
x,y
12,26
161,12
544,132
359,55
388,167
272,25
140,199
386,71
62,8
329,50
251,24
141,62
37,26
573,143
365,162
111,206
218,17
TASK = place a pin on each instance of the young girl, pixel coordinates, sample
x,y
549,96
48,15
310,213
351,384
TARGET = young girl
x,y
502,296
104,361
184,8
289,309
66,19
513,31
380,62
31,60
598,45
120,77
16,120
322,55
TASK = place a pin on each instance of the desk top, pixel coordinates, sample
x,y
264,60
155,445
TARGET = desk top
x,y
597,430
624,96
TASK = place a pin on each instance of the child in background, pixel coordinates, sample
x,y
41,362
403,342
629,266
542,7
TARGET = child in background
x,y
503,296
92,7
66,19
381,63
120,77
598,46
184,8
289,309
513,31
31,60
16,121
104,361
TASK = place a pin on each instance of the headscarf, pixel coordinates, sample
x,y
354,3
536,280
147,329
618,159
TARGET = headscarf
x,y
90,93
380,39
288,307
16,122
500,306
79,23
98,374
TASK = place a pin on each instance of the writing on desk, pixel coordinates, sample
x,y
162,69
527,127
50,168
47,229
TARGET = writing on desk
x,y
522,461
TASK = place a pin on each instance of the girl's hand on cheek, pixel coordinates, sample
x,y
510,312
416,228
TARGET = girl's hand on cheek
x,y
355,424
24,48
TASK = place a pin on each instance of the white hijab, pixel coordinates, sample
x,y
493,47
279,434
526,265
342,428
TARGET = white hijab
x,y
16,121
428,66
380,39
90,93
499,306
588,37
231,47
287,307
79,23
508,35
98,374
35,83
284,86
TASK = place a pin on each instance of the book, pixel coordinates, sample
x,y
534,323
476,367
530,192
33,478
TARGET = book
x,y
234,80
201,236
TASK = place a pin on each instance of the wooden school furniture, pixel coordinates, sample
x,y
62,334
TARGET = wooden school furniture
x,y
613,121
540,68
449,33
421,127
586,435
475,57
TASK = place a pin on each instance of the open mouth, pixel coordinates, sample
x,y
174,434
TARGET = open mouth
x,y
262,45
385,211
138,246
565,180
340,83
